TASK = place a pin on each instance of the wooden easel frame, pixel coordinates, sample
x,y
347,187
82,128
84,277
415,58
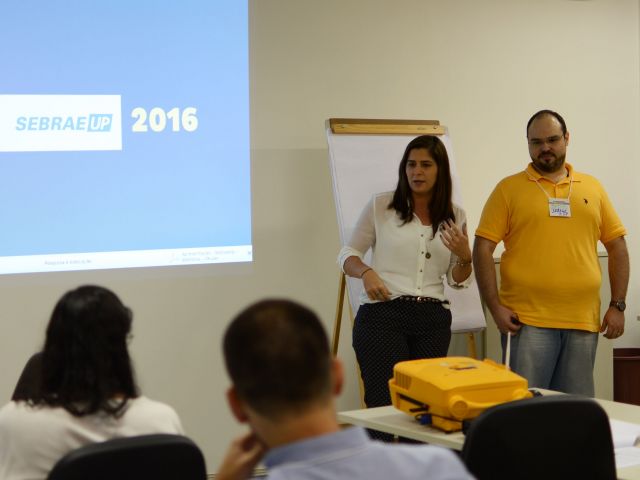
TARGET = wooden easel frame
x,y
385,127
337,324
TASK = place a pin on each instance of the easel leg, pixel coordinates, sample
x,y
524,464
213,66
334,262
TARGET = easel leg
x,y
471,345
335,338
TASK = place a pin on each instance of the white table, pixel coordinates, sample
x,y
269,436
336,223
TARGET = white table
x,y
390,420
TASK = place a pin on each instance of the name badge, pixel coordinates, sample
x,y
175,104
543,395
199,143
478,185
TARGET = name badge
x,y
559,207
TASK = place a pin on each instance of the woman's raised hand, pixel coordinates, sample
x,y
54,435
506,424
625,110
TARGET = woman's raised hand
x,y
456,240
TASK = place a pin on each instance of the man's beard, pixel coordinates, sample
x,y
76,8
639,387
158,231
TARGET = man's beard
x,y
549,165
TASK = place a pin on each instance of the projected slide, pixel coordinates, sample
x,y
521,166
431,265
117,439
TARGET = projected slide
x,y
124,134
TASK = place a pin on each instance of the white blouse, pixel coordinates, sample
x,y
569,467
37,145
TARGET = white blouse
x,y
33,439
406,257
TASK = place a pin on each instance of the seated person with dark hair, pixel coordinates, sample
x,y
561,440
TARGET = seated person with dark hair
x,y
284,382
83,391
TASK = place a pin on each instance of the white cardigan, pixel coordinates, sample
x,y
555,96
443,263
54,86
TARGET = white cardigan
x,y
399,252
33,439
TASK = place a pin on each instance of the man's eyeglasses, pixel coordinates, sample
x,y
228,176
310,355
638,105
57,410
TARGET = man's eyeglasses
x,y
538,142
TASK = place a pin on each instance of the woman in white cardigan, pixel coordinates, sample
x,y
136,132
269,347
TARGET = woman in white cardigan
x,y
417,237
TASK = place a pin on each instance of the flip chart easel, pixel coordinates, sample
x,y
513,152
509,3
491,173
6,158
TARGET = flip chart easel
x,y
364,155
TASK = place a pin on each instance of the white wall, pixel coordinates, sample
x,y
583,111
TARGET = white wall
x,y
481,68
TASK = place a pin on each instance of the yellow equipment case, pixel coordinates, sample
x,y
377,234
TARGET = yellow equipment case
x,y
445,391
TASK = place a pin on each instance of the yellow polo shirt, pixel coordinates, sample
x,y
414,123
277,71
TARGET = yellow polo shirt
x,y
549,271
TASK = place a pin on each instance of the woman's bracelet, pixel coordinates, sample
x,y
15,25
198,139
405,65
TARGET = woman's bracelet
x,y
365,271
463,264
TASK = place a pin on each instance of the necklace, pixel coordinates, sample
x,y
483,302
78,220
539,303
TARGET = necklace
x,y
428,246
427,253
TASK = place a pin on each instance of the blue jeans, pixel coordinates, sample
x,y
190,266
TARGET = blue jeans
x,y
554,359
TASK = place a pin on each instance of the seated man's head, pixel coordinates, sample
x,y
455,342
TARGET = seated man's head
x,y
278,358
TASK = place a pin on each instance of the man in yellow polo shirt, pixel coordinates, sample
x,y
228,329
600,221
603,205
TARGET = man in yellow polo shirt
x,y
550,218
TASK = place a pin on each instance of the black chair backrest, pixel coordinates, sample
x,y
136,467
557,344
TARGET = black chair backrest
x,y
154,457
551,437
28,385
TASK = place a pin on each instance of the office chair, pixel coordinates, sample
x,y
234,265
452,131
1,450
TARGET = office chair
x,y
552,437
157,457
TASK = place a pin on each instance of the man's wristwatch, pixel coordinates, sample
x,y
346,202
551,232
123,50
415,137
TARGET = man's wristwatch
x,y
619,304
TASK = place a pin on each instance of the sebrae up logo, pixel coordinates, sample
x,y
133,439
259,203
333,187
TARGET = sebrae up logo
x,y
94,122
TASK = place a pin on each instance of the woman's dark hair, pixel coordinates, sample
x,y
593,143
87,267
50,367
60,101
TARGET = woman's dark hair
x,y
86,366
440,206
